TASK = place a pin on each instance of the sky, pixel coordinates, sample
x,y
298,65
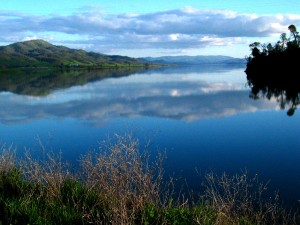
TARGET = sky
x,y
140,28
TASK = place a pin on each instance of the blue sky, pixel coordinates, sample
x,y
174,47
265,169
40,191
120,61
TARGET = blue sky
x,y
149,28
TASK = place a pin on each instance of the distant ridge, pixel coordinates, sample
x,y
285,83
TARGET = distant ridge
x,y
194,60
39,53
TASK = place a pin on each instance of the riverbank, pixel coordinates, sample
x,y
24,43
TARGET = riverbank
x,y
120,185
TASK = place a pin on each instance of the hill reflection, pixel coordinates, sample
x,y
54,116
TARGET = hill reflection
x,y
44,82
187,97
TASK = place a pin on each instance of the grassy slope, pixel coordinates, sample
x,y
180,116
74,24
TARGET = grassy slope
x,y
41,53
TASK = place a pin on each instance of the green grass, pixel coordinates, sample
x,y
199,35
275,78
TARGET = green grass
x,y
22,202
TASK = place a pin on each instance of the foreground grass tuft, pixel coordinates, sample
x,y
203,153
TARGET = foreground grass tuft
x,y
119,185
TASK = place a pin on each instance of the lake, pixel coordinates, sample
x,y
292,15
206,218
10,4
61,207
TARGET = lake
x,y
201,116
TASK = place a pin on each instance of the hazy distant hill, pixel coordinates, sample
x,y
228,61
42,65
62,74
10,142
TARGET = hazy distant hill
x,y
37,53
194,60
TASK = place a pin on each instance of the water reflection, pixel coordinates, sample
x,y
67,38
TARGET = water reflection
x,y
44,82
285,92
74,119
187,97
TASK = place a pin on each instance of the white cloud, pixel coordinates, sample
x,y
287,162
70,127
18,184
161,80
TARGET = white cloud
x,y
174,37
173,29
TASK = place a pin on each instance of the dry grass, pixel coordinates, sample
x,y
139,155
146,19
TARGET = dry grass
x,y
8,159
241,197
125,177
49,172
119,184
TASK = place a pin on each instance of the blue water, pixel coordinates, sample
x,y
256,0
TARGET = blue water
x,y
203,119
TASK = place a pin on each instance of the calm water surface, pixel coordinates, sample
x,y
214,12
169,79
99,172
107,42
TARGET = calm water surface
x,y
201,116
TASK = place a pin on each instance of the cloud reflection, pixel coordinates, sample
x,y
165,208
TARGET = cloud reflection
x,y
186,97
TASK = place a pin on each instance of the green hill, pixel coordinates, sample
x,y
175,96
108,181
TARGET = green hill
x,y
39,53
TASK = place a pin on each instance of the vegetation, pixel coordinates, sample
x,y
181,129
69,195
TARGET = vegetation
x,y
275,63
272,70
39,53
120,185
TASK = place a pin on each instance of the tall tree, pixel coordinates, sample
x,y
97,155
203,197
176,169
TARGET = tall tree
x,y
292,28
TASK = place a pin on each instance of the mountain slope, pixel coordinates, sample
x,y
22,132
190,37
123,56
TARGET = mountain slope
x,y
41,53
194,60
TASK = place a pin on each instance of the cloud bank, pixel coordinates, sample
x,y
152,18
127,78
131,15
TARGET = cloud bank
x,y
173,29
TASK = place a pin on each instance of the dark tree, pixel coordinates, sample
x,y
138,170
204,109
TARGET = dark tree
x,y
272,71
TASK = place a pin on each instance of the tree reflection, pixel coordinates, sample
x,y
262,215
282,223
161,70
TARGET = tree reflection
x,y
286,93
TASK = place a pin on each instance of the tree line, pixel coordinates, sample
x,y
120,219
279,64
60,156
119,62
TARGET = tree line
x,y
283,44
275,63
272,70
